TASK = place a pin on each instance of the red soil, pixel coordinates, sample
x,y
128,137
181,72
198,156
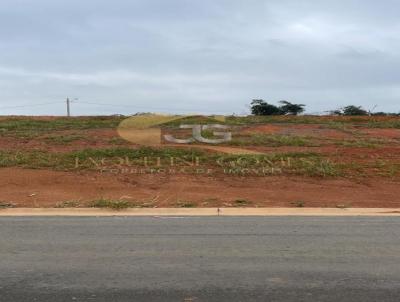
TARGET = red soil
x,y
382,133
42,188
37,188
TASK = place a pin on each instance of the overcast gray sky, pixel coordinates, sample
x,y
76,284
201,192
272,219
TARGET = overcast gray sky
x,y
197,55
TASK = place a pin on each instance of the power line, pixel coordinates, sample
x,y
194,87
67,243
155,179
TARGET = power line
x,y
104,104
139,107
27,106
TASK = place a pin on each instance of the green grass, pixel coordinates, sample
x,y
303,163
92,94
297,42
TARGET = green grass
x,y
251,120
385,168
69,204
363,143
5,205
185,204
298,203
64,139
319,167
241,202
384,124
290,163
139,152
61,123
27,127
117,141
343,206
331,121
341,126
35,160
111,204
357,144
91,158
95,159
31,127
296,163
272,140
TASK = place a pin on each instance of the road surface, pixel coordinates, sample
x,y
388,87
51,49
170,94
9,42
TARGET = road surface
x,y
200,259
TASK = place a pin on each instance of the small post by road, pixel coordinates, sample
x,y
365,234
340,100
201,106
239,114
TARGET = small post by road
x,y
68,108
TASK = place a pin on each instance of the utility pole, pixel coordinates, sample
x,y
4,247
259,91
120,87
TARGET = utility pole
x,y
68,108
372,110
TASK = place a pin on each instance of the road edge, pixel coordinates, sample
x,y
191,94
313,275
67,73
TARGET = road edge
x,y
93,212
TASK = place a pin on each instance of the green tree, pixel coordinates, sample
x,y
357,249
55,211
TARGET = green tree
x,y
290,108
354,110
261,107
336,112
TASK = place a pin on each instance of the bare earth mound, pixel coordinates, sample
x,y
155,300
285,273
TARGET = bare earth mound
x,y
312,162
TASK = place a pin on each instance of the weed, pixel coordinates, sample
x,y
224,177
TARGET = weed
x,y
337,125
63,139
135,153
117,141
259,139
363,143
342,206
336,122
185,204
358,144
393,170
31,127
68,204
5,205
210,201
111,204
32,159
320,167
395,123
241,202
298,204
88,158
386,168
308,164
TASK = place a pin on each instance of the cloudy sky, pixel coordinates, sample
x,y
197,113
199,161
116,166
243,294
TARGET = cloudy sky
x,y
211,56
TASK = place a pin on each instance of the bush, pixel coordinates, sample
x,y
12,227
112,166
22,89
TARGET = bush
x,y
350,110
354,110
261,107
111,204
291,109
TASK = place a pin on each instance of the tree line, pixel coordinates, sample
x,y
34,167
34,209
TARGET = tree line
x,y
261,107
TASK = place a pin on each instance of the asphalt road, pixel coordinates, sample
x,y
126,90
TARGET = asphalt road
x,y
200,259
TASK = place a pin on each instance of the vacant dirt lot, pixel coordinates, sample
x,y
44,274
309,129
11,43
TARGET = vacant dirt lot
x,y
297,161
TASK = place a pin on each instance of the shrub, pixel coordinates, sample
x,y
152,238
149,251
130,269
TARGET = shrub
x,y
260,107
291,109
350,110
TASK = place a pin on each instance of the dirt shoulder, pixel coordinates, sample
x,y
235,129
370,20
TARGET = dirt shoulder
x,y
46,188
